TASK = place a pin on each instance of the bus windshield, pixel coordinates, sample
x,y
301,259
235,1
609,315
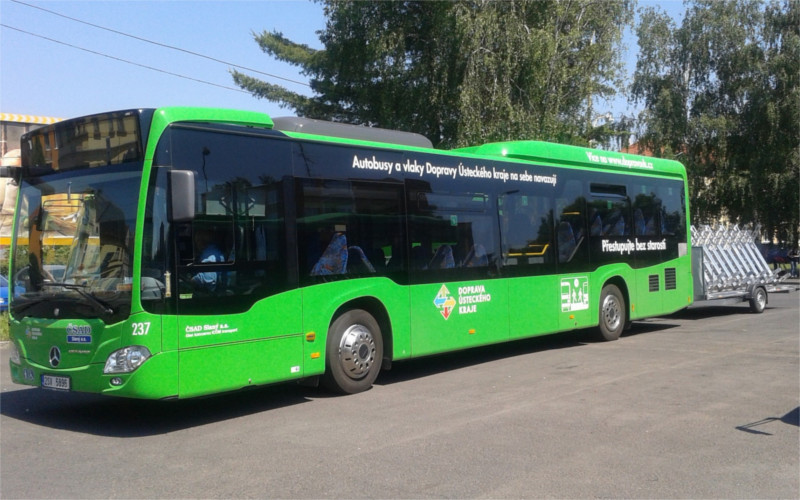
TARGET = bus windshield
x,y
75,234
89,142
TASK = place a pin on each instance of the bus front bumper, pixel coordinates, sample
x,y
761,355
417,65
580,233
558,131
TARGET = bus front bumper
x,y
156,378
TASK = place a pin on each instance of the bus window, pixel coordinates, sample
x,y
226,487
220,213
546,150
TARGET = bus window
x,y
349,229
672,212
239,210
527,232
609,212
451,233
646,207
609,217
570,226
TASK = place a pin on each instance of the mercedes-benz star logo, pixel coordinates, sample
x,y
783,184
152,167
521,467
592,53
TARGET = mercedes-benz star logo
x,y
55,356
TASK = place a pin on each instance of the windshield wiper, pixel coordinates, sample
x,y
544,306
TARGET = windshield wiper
x,y
104,306
21,308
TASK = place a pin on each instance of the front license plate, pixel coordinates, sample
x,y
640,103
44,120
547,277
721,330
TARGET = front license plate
x,y
55,382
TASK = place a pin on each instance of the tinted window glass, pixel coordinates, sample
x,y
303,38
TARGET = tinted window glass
x,y
646,209
235,250
609,224
88,142
609,217
527,231
672,209
571,227
349,229
453,236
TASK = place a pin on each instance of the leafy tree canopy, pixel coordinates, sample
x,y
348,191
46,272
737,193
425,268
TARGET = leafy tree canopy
x,y
721,94
461,73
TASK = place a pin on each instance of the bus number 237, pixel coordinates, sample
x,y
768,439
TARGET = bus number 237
x,y
141,328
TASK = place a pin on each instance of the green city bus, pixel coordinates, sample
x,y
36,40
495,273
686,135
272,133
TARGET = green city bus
x,y
180,252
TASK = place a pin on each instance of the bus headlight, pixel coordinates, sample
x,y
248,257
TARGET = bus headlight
x,y
127,359
15,356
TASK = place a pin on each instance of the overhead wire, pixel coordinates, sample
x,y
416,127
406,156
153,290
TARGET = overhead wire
x,y
123,60
159,44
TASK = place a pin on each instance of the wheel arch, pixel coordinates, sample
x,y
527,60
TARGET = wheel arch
x,y
378,311
620,283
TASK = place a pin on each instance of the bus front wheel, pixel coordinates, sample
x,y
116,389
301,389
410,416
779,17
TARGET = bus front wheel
x,y
612,313
355,352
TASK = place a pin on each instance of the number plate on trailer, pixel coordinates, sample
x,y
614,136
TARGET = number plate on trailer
x,y
55,382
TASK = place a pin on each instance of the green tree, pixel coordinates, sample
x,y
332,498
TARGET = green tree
x,y
720,93
461,72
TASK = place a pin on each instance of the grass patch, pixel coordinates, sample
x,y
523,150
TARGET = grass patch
x,y
4,334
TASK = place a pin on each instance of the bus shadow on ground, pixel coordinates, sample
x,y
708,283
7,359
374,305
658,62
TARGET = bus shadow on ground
x,y
647,326
708,311
118,417
403,371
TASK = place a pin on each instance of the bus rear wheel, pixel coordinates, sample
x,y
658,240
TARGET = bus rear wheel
x,y
613,315
355,352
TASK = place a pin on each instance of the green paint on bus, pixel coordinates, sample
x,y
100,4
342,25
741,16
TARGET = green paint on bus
x,y
180,252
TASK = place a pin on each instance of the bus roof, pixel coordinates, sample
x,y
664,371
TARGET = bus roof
x,y
347,131
529,151
215,115
561,154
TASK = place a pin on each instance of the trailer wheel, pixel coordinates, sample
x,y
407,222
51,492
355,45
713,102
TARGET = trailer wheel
x,y
758,302
613,313
355,352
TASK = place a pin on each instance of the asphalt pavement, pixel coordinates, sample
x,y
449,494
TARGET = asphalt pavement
x,y
703,403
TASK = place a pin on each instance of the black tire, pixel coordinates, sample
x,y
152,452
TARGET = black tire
x,y
613,313
355,352
758,302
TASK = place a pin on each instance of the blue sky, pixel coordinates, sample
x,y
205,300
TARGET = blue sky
x,y
42,77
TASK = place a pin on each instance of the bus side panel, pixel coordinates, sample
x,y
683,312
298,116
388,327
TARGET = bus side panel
x,y
457,315
169,332
662,289
228,352
648,300
275,316
683,293
534,306
228,367
320,303
581,294
579,299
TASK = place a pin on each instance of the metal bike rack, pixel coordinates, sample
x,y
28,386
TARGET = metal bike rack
x,y
727,264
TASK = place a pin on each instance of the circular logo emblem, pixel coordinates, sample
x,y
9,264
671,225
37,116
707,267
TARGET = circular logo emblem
x,y
55,356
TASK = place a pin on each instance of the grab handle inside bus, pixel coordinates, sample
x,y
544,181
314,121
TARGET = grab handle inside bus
x,y
181,184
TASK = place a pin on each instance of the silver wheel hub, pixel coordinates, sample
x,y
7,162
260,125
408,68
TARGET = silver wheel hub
x,y
612,313
761,299
357,351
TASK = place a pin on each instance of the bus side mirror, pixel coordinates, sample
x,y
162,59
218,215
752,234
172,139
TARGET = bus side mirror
x,y
181,187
